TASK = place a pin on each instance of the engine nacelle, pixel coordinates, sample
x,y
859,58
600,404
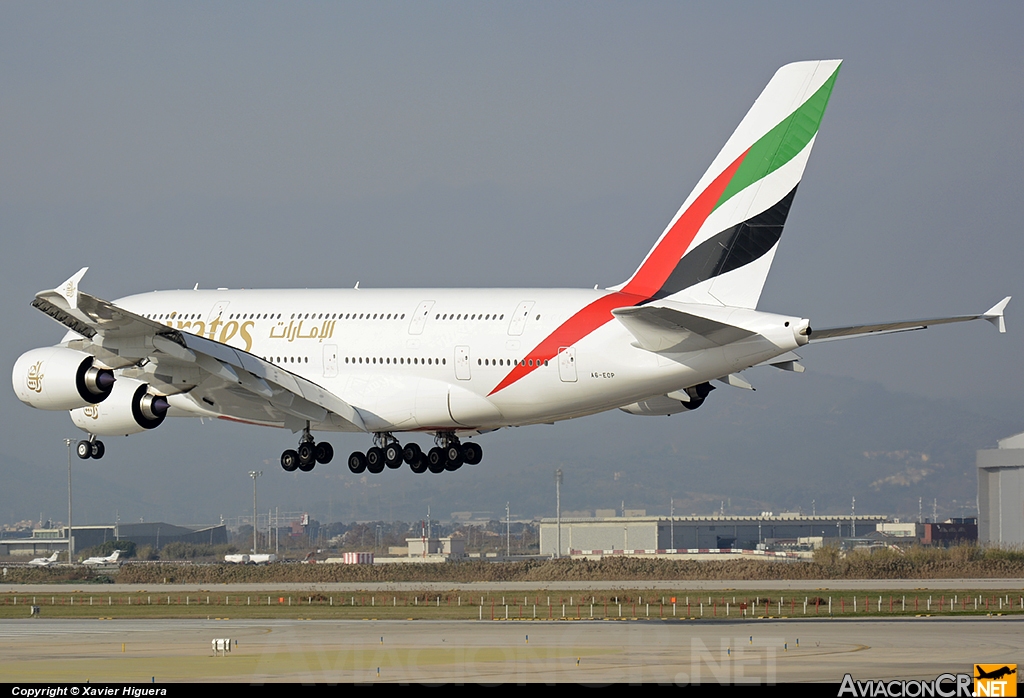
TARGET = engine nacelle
x,y
58,378
664,405
131,409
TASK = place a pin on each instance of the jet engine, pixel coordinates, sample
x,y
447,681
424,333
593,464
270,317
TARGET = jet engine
x,y
663,405
58,378
131,409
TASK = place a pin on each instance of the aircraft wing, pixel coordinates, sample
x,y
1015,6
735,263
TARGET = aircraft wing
x,y
662,329
253,389
993,315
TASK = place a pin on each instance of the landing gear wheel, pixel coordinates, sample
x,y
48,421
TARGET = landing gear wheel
x,y
324,453
357,462
419,465
393,455
290,461
472,453
453,457
375,460
98,450
307,452
84,450
411,453
306,466
435,460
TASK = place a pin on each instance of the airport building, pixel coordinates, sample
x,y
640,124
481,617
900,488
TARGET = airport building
x,y
610,535
1001,492
156,534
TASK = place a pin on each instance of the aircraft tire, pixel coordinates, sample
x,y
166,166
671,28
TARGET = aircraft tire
x,y
307,452
289,461
435,460
393,455
419,465
472,453
453,457
411,454
84,450
357,462
324,453
98,449
375,460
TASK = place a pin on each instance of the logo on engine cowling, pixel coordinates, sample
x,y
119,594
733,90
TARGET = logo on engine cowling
x,y
34,380
92,411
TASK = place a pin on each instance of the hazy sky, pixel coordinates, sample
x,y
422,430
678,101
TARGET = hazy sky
x,y
502,144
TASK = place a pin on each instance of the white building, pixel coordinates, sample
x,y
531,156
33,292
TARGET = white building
x,y
1001,492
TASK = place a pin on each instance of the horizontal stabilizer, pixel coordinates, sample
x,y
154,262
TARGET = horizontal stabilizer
x,y
660,329
993,315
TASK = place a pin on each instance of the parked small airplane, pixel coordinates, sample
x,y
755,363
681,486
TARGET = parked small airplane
x,y
44,561
109,560
456,363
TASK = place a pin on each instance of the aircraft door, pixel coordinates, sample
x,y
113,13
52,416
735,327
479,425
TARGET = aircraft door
x,y
217,311
462,363
567,364
519,317
419,318
330,360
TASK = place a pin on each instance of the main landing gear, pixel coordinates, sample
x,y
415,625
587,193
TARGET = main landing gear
x,y
90,448
307,455
448,454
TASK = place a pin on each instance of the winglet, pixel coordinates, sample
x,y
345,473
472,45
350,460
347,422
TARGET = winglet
x,y
69,289
995,314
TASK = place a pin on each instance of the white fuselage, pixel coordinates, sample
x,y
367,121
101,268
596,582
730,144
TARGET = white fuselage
x,y
443,359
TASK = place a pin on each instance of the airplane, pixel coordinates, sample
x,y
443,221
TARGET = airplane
x,y
995,673
109,560
457,363
44,561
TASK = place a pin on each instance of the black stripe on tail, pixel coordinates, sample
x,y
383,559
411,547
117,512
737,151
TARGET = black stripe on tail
x,y
730,249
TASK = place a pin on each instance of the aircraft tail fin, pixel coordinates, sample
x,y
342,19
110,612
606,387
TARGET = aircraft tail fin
x,y
719,246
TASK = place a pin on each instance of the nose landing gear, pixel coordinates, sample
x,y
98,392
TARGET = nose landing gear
x,y
90,448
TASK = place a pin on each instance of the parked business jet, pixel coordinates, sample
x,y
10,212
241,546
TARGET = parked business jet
x,y
455,363
108,560
43,561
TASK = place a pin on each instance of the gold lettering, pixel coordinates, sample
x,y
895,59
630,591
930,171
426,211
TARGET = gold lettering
x,y
35,377
244,331
213,327
225,335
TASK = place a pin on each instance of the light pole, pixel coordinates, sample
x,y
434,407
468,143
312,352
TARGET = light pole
x,y
508,532
672,522
254,474
71,545
558,512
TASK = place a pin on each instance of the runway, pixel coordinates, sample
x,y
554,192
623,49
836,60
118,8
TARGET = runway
x,y
679,652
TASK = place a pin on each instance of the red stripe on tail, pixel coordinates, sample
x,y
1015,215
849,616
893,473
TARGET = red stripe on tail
x,y
659,265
